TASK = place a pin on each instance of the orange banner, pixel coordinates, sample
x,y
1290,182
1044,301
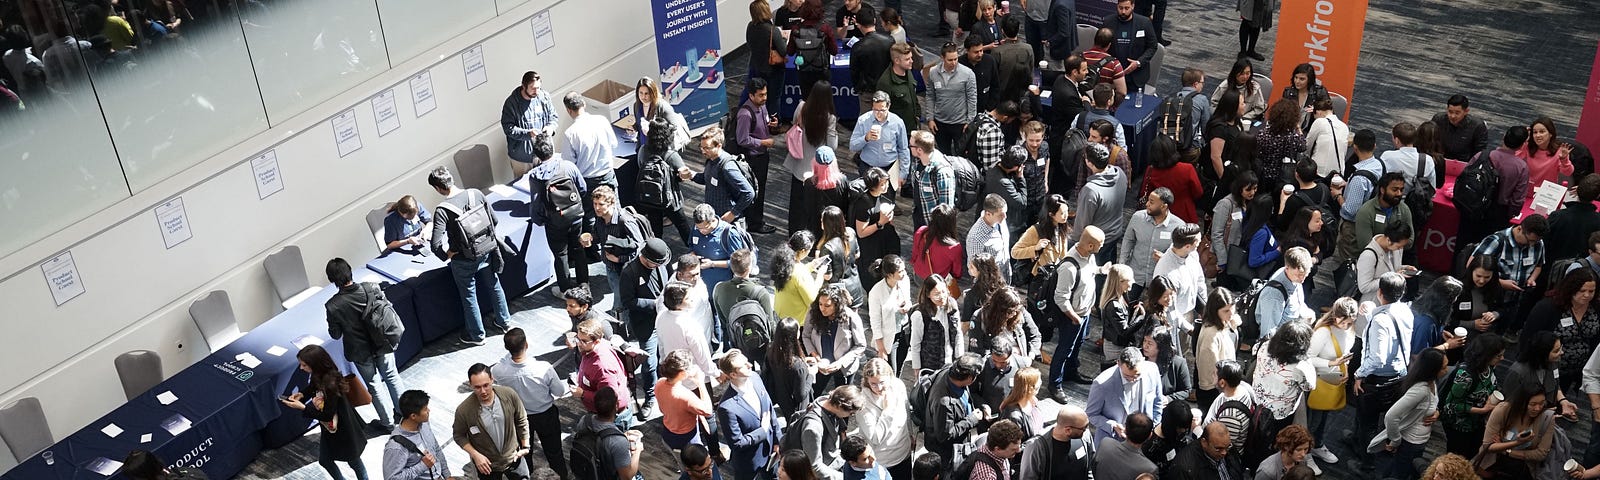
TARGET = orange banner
x,y
1325,34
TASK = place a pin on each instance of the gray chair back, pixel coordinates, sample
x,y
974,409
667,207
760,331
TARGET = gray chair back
x,y
287,270
213,315
473,168
139,370
375,223
1339,105
1155,69
24,429
1085,37
1266,86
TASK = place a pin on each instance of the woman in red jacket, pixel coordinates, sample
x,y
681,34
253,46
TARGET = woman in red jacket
x,y
1166,171
935,248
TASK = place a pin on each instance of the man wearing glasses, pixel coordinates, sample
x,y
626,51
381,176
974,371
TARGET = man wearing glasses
x,y
1208,458
599,366
1066,453
727,190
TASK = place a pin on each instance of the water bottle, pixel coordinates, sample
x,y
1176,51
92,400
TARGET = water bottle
x,y
1138,99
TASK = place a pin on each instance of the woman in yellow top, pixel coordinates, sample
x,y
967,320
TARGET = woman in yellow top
x,y
797,282
1046,242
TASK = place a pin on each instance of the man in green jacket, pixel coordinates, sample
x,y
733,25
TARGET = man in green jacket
x,y
492,427
901,87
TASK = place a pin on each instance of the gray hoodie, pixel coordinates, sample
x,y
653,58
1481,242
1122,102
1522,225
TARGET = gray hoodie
x,y
1100,203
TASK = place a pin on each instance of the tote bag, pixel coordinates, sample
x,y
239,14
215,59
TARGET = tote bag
x,y
1327,396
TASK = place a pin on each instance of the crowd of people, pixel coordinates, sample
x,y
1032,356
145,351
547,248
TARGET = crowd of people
x,y
1263,283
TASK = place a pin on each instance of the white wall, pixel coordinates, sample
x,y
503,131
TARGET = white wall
x,y
138,291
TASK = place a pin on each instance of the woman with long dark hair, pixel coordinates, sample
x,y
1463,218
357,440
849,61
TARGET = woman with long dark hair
x,y
1304,91
1279,145
819,128
1166,171
1408,424
1571,314
1430,312
323,399
788,373
795,465
143,465
834,337
1004,316
1218,342
1481,295
1047,241
936,334
1177,382
1241,81
1222,133
1517,437
1466,404
1430,142
873,216
888,308
838,242
986,279
1538,356
1304,231
1549,157
765,39
935,249
1261,248
1175,432
1227,220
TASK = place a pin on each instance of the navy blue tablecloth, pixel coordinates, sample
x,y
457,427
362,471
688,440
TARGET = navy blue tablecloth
x,y
1138,125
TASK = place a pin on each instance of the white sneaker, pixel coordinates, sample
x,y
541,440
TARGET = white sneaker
x,y
1322,453
1314,469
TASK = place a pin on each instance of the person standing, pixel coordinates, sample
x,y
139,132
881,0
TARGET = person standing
x,y
536,383
819,428
932,178
589,144
743,286
367,345
643,282
1064,453
1132,385
1329,138
412,453
1211,458
1385,354
1181,266
1123,459
728,191
983,67
1136,43
556,186
526,116
325,399
992,461
749,425
492,426
902,90
475,261
620,233
952,416
880,140
1510,193
1074,298
1037,28
1408,424
1014,61
869,57
1254,17
651,112
752,131
1100,201
617,451
991,233
834,337
884,422
953,96
600,368
1149,233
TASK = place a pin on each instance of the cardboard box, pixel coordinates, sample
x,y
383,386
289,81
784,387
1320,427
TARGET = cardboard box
x,y
610,99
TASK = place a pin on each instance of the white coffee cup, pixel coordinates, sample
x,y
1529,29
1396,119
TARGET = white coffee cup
x,y
1571,465
1499,397
1288,188
877,130
1460,332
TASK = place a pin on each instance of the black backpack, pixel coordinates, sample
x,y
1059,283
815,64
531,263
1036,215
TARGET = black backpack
x,y
1478,189
965,470
745,170
476,225
730,131
1177,122
588,453
753,325
811,47
1042,289
409,446
919,396
1237,418
655,185
1094,69
1372,178
1419,193
1249,328
382,323
969,184
563,203
969,139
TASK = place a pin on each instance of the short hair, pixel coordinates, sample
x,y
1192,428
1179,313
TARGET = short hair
x,y
604,195
1074,62
516,340
867,18
1397,230
1365,140
950,48
1192,76
1185,235
694,455
1004,433
592,327
1458,100
845,397
1515,137
1536,225
1165,194
529,76
674,295
1297,258
877,97
675,362
1002,345
1405,132
543,150
1097,155
1007,108
927,467
851,447
1010,26
1391,285
686,262
1103,37
411,403
573,101
1230,371
712,134
1306,169
1130,357
992,203
605,402
1293,437
924,140
704,214
900,49
756,84
966,367
478,368
440,178
338,271
1103,93
1033,126
741,260
1138,427
972,42
1391,177
580,294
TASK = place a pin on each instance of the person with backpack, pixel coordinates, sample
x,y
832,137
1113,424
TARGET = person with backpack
x,y
1104,69
557,205
657,188
815,126
992,461
713,242
752,136
749,425
811,43
1282,299
362,317
1072,299
1187,111
985,142
932,178
464,235
951,417
413,453
589,144
728,190
953,94
1382,255
818,429
1487,198
1385,356
746,333
621,234
601,450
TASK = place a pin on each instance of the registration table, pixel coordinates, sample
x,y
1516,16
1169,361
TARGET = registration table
x,y
215,415
1138,126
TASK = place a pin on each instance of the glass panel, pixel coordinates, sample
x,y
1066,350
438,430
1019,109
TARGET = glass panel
x,y
507,5
181,92
412,26
306,51
57,157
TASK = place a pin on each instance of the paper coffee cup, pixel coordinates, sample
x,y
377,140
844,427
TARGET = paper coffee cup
x,y
1460,332
1288,188
1571,465
877,129
1499,397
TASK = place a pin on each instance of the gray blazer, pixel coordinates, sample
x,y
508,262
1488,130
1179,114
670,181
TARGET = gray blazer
x,y
849,343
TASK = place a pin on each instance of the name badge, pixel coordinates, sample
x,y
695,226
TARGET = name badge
x,y
1039,162
474,430
938,84
1380,218
885,208
1165,235
1171,455
713,181
888,147
1464,306
1138,34
1238,216
1527,261
694,240
1556,373
1079,453
1567,322
927,188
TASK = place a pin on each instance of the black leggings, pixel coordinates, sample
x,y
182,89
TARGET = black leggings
x,y
1249,32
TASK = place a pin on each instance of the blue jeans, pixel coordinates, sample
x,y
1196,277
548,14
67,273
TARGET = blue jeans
x,y
1397,464
644,332
468,274
328,464
382,368
1069,339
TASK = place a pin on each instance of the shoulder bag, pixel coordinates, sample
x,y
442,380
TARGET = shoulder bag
x,y
773,57
1329,396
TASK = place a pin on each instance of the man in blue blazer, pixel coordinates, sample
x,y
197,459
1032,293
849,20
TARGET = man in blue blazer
x,y
1133,385
749,425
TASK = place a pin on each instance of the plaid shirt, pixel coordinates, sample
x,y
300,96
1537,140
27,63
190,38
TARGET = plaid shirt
x,y
1517,261
990,141
935,183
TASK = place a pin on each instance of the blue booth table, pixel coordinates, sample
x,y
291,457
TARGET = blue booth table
x,y
1138,125
846,102
223,410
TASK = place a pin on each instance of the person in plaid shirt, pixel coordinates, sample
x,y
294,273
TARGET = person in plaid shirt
x,y
932,179
1520,250
990,141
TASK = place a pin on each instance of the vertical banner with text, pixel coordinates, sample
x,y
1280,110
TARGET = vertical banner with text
x,y
1589,123
688,48
1325,34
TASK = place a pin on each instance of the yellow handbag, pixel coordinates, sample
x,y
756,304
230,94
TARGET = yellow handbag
x,y
1327,396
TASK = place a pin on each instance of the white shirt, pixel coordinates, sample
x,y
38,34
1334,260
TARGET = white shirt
x,y
883,309
1188,282
677,329
589,144
1404,160
1328,141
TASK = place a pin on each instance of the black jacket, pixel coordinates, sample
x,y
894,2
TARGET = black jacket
x,y
623,238
986,71
868,59
1569,231
640,288
1461,143
1128,44
1192,463
1063,28
346,322
949,420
